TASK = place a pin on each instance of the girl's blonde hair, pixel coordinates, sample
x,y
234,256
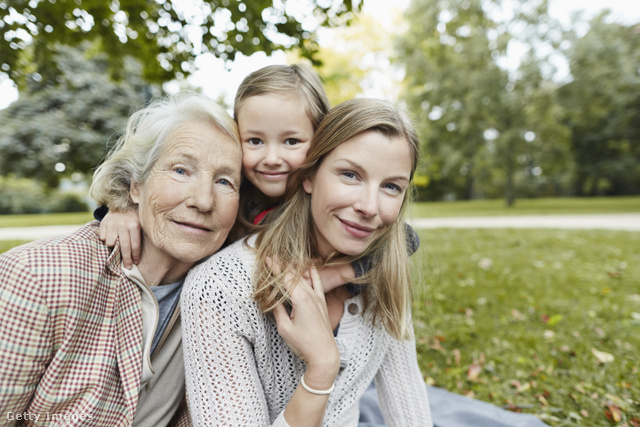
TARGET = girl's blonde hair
x,y
296,80
290,239
147,132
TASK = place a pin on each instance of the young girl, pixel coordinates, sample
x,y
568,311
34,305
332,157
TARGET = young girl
x,y
247,367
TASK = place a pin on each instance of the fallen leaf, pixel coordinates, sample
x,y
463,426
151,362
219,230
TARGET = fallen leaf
x,y
584,413
635,421
517,315
613,413
555,319
456,356
602,356
474,371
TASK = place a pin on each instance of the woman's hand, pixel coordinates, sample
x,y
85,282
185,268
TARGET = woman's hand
x,y
307,329
124,226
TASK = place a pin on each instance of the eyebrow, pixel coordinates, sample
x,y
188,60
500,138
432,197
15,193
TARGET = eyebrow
x,y
358,166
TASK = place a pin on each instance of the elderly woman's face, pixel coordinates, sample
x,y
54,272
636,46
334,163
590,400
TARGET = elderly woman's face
x,y
188,203
357,191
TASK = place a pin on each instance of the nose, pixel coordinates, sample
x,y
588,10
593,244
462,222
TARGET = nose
x,y
367,203
272,155
202,195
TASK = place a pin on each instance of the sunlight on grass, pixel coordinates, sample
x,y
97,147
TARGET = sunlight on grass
x,y
530,319
555,206
34,220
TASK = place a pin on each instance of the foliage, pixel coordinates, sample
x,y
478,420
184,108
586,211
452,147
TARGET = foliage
x,y
492,129
24,196
536,321
56,130
165,35
476,117
602,105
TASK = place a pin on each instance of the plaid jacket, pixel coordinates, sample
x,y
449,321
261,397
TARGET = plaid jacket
x,y
70,334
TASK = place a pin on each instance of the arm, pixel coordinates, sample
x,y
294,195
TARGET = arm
x,y
124,226
25,336
307,331
363,265
401,390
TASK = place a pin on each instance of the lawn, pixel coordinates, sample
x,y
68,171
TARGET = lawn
x,y
418,210
538,321
557,206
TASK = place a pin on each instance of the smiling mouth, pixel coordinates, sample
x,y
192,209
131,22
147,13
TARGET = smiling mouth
x,y
274,175
193,225
356,229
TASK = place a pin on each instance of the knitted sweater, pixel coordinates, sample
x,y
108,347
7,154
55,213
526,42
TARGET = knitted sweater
x,y
239,371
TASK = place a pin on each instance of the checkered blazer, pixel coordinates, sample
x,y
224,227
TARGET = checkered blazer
x,y
70,333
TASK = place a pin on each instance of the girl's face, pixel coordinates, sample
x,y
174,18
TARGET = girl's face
x,y
276,134
357,191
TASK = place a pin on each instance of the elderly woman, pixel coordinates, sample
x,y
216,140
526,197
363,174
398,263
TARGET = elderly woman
x,y
85,340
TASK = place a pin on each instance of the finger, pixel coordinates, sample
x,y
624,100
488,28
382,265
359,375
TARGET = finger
x,y
136,246
111,236
125,251
282,317
316,283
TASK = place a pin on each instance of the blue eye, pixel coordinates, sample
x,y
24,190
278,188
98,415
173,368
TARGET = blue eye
x,y
180,171
394,187
348,174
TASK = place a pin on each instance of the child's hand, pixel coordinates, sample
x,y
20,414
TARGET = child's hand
x,y
124,226
333,276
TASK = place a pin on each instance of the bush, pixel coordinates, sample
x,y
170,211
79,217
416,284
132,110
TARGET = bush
x,y
24,196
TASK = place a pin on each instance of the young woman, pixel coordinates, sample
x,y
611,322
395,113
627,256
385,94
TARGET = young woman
x,y
259,340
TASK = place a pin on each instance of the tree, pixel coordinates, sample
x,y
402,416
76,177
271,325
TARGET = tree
x,y
480,119
452,84
57,130
602,105
165,35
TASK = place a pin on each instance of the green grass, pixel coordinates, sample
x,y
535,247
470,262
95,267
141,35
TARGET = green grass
x,y
418,210
525,310
527,207
5,245
34,220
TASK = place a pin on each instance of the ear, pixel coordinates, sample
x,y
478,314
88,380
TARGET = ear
x,y
134,193
307,184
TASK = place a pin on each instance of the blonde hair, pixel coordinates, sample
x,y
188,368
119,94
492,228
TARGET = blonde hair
x,y
290,238
290,80
145,135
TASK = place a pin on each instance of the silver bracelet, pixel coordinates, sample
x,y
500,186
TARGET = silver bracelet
x,y
314,391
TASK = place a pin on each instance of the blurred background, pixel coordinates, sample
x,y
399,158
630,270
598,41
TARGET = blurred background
x,y
513,99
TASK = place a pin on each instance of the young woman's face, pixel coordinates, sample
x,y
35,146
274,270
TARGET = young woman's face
x,y
357,191
276,134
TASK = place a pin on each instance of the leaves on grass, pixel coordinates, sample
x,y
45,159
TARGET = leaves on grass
x,y
517,315
602,356
612,412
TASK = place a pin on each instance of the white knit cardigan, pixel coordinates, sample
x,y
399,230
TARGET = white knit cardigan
x,y
240,372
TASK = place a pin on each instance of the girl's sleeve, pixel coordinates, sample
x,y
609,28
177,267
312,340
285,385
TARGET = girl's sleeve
x,y
401,390
223,385
363,265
